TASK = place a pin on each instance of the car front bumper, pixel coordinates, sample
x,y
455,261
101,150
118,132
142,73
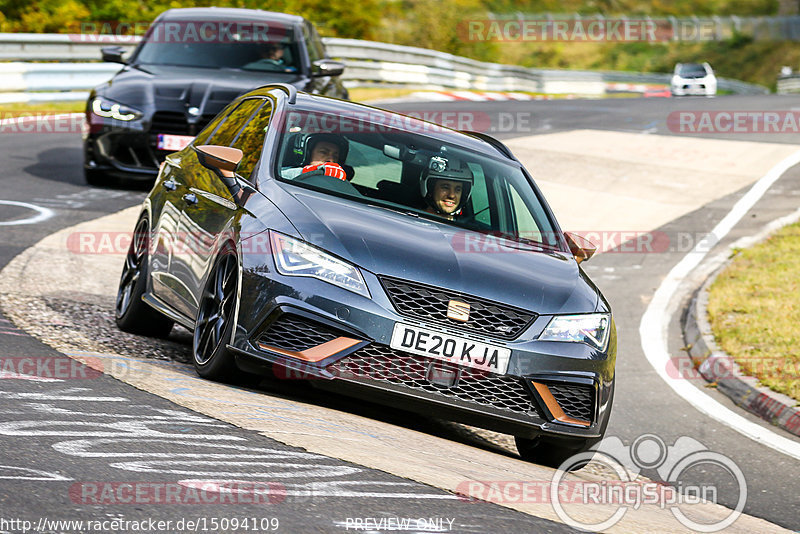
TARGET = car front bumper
x,y
303,328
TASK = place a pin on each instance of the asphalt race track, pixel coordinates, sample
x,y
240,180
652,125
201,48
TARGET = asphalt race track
x,y
63,439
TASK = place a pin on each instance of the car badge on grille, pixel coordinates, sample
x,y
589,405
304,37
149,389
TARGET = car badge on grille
x,y
458,311
193,111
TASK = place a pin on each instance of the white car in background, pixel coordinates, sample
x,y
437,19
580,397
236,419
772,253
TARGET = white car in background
x,y
693,79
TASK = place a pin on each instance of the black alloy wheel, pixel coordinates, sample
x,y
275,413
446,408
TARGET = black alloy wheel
x,y
214,324
131,313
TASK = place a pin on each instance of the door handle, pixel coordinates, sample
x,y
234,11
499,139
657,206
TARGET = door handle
x,y
190,198
170,185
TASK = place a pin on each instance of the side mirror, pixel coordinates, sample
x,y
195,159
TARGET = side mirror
x,y
113,54
326,67
581,248
223,160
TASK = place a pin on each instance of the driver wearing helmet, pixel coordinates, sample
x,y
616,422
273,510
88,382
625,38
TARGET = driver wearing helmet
x,y
323,154
445,185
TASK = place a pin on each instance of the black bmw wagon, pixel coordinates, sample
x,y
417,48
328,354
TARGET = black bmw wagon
x,y
380,256
189,65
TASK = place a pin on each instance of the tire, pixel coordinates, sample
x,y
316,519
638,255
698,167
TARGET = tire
x,y
214,323
131,313
552,452
95,178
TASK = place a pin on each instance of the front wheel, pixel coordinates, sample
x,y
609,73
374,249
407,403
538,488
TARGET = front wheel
x,y
131,313
553,452
214,324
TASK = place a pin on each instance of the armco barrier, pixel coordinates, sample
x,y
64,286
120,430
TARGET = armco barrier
x,y
368,63
789,84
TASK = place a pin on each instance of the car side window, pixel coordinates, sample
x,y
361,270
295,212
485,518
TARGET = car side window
x,y
227,130
204,135
313,43
250,139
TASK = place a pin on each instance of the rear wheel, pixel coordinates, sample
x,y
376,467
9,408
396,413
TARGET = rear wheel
x,y
131,313
214,324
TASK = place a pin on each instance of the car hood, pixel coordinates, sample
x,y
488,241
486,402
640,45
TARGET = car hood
x,y
389,243
167,86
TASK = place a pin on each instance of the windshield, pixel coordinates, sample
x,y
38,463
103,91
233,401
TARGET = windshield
x,y
388,161
249,46
692,70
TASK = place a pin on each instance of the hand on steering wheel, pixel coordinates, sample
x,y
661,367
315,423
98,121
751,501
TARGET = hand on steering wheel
x,y
328,168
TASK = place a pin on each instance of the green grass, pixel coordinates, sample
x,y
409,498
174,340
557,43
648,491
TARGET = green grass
x,y
754,310
42,107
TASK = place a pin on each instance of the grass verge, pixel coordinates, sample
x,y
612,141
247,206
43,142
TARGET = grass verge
x,y
754,310
42,107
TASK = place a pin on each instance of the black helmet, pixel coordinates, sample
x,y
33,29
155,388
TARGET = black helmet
x,y
443,168
304,145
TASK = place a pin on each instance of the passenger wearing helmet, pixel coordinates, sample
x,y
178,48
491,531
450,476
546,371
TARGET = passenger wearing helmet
x,y
445,185
323,153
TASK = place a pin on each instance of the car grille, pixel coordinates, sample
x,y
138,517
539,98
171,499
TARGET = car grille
x,y
173,122
576,400
429,303
134,152
380,363
290,332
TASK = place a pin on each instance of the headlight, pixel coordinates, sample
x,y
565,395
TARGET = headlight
x,y
590,328
103,107
296,258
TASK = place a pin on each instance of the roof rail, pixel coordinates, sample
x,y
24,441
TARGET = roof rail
x,y
290,90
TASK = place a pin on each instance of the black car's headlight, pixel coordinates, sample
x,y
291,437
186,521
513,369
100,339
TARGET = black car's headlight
x,y
108,109
590,328
297,258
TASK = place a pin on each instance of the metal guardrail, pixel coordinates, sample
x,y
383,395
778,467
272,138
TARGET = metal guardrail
x,y
789,84
368,63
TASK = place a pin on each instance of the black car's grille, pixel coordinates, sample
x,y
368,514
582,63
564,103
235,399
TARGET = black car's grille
x,y
173,122
134,152
429,303
381,363
576,400
290,332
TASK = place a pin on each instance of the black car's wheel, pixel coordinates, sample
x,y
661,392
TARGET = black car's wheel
x,y
131,313
95,177
214,323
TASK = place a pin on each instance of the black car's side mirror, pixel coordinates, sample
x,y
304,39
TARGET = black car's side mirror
x,y
581,248
113,54
223,160
327,67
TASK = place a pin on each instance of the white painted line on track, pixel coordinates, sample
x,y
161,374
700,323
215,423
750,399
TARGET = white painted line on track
x,y
653,328
43,213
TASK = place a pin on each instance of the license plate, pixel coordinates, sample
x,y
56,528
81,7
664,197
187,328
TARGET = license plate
x,y
449,348
173,142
